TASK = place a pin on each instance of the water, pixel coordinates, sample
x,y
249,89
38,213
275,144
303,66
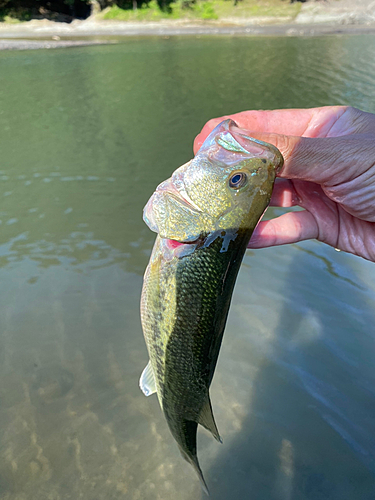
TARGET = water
x,y
86,134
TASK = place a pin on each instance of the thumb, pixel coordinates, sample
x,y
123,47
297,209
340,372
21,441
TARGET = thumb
x,y
299,152
327,161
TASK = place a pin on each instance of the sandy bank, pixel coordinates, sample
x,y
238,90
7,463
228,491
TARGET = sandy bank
x,y
315,18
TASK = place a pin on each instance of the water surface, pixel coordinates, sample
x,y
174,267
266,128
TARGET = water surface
x,y
86,134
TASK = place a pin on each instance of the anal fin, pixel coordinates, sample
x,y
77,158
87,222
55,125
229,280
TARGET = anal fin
x,y
206,419
147,381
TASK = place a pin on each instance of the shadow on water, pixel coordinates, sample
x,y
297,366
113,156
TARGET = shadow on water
x,y
308,432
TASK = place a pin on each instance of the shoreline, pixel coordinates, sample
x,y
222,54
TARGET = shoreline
x,y
314,19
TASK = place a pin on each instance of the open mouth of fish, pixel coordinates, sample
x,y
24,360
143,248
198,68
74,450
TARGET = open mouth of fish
x,y
227,145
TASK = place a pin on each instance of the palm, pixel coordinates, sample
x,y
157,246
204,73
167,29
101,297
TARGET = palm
x,y
333,224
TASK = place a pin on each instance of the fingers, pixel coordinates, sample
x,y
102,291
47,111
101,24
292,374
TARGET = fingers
x,y
309,159
329,161
284,194
288,228
312,122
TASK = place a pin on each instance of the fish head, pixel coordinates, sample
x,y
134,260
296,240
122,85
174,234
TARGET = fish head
x,y
226,186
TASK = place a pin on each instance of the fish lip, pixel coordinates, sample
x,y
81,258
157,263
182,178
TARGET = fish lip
x,y
148,215
182,197
168,189
178,197
278,159
249,145
173,244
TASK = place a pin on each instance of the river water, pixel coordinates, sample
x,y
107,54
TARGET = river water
x,y
86,134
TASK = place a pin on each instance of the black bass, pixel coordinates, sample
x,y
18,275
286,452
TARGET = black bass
x,y
204,216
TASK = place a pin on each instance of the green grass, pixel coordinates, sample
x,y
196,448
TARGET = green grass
x,y
149,12
257,8
201,9
15,16
213,9
11,20
152,12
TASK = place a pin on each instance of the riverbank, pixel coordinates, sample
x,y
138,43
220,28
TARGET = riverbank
x,y
314,18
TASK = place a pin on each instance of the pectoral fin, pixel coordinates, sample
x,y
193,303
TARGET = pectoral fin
x,y
206,418
147,381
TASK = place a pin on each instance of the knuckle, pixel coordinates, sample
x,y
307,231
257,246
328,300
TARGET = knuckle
x,y
288,145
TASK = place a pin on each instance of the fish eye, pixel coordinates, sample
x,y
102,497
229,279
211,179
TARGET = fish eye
x,y
237,180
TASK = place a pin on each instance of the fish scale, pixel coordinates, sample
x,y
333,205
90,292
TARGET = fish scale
x,y
188,284
203,293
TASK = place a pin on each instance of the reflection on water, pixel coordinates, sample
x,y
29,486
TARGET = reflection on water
x,y
329,266
86,135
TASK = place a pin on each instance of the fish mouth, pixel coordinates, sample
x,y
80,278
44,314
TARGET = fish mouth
x,y
256,146
178,193
232,138
167,189
183,199
173,244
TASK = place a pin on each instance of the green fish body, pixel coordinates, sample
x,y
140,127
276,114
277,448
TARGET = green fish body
x,y
204,216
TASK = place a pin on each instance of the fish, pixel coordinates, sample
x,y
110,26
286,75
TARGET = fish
x,y
204,216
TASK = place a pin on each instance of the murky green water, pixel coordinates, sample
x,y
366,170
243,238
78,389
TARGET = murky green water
x,y
85,136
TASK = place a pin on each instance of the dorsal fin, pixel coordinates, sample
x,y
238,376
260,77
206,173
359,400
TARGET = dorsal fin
x,y
147,381
206,418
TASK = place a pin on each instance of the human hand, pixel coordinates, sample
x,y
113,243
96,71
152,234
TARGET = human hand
x,y
329,170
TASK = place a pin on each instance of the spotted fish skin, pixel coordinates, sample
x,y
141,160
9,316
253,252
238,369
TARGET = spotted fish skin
x,y
188,284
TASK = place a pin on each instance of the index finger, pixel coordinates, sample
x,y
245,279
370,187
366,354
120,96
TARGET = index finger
x,y
313,122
